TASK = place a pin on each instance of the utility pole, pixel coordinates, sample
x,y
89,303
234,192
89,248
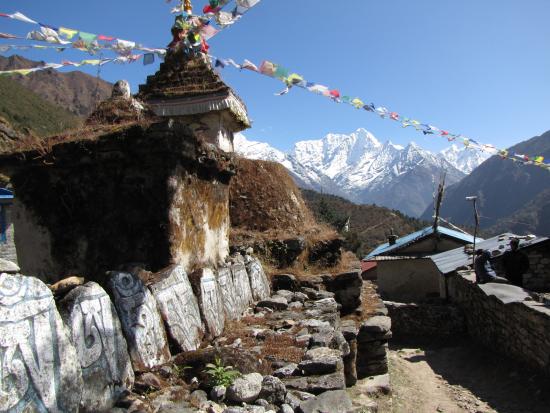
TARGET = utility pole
x,y
476,218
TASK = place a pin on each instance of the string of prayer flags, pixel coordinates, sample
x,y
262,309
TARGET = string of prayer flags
x,y
268,68
65,63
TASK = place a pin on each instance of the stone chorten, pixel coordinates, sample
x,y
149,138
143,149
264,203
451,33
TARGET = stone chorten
x,y
187,87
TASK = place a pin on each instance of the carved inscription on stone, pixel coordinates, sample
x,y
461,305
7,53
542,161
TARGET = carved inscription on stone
x,y
179,307
96,333
141,321
39,368
231,302
211,303
242,287
258,280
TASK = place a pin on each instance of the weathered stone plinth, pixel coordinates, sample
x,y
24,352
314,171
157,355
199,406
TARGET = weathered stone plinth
x,y
155,194
242,286
39,366
141,321
97,335
230,298
207,290
178,307
258,280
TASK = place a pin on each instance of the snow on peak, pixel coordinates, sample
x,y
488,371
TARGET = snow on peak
x,y
465,159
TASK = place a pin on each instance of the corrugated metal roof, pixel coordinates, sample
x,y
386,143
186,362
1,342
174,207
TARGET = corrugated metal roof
x,y
395,258
5,194
416,236
449,261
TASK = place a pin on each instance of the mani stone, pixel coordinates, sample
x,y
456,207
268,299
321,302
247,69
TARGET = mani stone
x,y
258,280
96,333
242,286
39,367
141,321
208,292
178,307
229,294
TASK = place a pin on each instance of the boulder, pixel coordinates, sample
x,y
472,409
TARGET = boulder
x,y
286,371
346,288
141,321
218,393
245,389
321,360
259,283
96,333
317,384
285,282
273,390
378,384
62,287
246,409
243,293
8,267
275,303
40,370
289,295
207,290
375,328
295,397
178,307
286,408
336,401
231,303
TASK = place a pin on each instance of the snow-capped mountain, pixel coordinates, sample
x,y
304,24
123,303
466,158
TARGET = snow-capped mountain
x,y
465,160
359,167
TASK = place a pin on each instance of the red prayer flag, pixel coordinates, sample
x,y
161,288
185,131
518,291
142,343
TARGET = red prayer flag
x,y
4,15
105,38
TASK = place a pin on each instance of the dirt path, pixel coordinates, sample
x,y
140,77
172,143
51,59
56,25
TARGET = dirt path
x,y
461,379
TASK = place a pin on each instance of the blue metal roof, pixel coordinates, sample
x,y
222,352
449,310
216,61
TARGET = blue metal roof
x,y
449,261
416,236
5,194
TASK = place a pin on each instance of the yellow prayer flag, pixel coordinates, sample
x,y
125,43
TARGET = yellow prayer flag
x,y
68,33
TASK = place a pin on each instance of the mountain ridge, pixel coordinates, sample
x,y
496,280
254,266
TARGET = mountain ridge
x,y
360,168
74,91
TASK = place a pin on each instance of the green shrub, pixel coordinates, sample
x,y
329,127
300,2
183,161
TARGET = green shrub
x,y
221,375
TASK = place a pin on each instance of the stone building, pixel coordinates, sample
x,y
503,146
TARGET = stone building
x,y
153,190
404,270
7,240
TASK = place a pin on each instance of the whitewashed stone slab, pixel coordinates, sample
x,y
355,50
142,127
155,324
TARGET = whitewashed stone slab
x,y
210,301
259,283
241,282
101,347
39,367
231,302
140,320
178,307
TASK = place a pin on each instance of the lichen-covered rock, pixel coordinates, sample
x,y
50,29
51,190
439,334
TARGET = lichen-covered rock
x,y
273,390
245,389
275,303
242,286
178,307
39,366
97,335
336,401
258,280
321,360
141,321
346,288
207,290
231,302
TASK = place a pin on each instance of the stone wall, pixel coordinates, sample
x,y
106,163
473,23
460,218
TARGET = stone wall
x,y
504,318
425,320
538,276
7,248
151,194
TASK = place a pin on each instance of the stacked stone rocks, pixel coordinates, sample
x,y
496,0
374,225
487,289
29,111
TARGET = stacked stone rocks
x,y
81,354
372,346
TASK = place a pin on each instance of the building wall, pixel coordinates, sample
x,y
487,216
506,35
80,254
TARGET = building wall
x,y
152,195
518,329
7,245
538,277
408,280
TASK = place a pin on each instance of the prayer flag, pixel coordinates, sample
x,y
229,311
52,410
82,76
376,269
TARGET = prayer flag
x,y
21,17
7,36
268,68
148,59
87,37
68,33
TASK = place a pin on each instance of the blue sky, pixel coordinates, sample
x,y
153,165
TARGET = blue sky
x,y
480,68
